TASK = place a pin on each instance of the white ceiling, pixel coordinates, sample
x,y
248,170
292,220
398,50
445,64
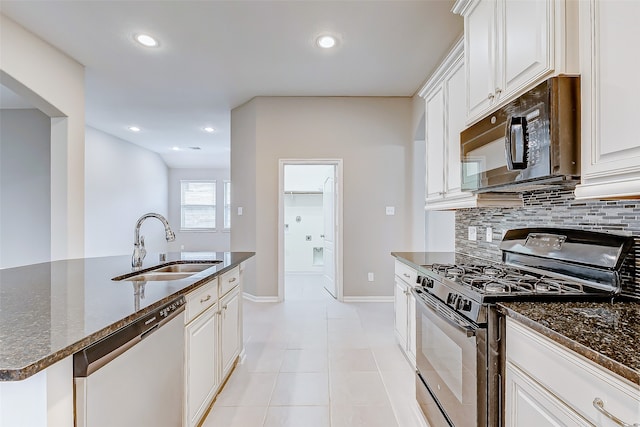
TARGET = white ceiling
x,y
217,55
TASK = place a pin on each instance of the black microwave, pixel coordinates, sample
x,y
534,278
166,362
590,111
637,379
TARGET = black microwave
x,y
531,143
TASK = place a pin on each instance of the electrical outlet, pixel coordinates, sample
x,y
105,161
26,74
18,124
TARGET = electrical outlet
x,y
390,210
370,277
489,235
473,234
239,210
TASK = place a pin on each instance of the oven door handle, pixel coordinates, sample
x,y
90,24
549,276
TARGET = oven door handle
x,y
444,312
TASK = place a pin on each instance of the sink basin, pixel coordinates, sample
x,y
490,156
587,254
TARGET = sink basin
x,y
168,272
156,276
185,268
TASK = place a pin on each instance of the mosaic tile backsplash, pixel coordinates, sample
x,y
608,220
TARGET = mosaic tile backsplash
x,y
557,208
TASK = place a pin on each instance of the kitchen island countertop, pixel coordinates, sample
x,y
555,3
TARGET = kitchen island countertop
x,y
51,310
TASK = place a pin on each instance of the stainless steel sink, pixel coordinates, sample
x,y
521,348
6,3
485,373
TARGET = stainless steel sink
x,y
185,268
175,271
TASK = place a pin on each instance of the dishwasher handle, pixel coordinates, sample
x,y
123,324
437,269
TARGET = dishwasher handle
x,y
98,354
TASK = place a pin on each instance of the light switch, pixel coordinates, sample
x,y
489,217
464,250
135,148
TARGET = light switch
x,y
239,210
370,277
391,210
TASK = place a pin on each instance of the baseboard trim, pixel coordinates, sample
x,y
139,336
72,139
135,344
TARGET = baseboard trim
x,y
368,299
254,298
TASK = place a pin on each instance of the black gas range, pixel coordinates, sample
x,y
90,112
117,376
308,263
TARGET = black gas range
x,y
459,346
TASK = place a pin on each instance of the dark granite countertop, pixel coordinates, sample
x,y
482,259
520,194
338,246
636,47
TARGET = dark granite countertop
x,y
51,310
606,333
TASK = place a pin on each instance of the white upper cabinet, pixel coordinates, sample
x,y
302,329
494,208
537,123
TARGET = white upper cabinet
x,y
510,46
609,35
444,96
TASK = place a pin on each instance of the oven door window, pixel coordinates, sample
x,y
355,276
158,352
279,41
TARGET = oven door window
x,y
447,361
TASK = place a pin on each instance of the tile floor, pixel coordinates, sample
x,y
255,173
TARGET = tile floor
x,y
315,362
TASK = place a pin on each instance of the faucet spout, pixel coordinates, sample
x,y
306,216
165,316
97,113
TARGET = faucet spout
x,y
139,251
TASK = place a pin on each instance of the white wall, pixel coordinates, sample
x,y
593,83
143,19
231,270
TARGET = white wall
x,y
299,252
371,135
25,187
54,83
123,182
218,240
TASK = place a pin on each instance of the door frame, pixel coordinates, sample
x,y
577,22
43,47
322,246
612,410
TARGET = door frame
x,y
337,163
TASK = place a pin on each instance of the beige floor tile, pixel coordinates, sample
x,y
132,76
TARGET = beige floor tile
x,y
298,389
358,388
235,416
247,389
309,360
362,416
298,416
351,360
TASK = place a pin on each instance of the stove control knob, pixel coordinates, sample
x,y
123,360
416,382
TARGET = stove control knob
x,y
460,303
426,282
419,280
451,299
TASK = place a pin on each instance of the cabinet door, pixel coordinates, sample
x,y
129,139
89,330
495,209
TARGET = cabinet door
x,y
435,132
609,34
400,309
480,57
526,42
229,329
455,112
201,349
528,404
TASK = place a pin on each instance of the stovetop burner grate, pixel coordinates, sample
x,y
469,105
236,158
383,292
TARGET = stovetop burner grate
x,y
494,279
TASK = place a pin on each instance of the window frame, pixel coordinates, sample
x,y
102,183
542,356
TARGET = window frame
x,y
214,205
226,207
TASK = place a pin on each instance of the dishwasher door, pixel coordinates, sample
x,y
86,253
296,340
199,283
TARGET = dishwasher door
x,y
134,377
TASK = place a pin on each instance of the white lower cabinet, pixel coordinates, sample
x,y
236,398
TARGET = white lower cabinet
x,y
202,379
547,384
213,338
405,310
230,343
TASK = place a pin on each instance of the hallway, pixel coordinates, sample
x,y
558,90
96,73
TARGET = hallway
x,y
315,362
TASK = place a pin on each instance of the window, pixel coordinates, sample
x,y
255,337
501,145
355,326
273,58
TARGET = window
x,y
227,205
198,205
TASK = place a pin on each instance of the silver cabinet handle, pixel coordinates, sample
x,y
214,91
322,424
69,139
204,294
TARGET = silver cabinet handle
x,y
599,405
491,96
498,91
406,275
233,279
205,299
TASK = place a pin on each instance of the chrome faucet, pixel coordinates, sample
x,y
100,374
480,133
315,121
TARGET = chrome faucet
x,y
139,252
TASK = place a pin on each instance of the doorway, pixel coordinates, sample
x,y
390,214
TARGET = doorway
x,y
310,229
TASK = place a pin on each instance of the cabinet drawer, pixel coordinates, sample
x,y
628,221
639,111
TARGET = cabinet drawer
x,y
406,273
229,280
572,378
201,299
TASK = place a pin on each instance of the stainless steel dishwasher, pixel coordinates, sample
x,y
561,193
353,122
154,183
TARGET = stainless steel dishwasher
x,y
134,377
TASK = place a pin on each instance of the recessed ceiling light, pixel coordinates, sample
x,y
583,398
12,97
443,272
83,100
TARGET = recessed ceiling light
x,y
208,129
175,148
146,40
326,42
134,128
195,148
